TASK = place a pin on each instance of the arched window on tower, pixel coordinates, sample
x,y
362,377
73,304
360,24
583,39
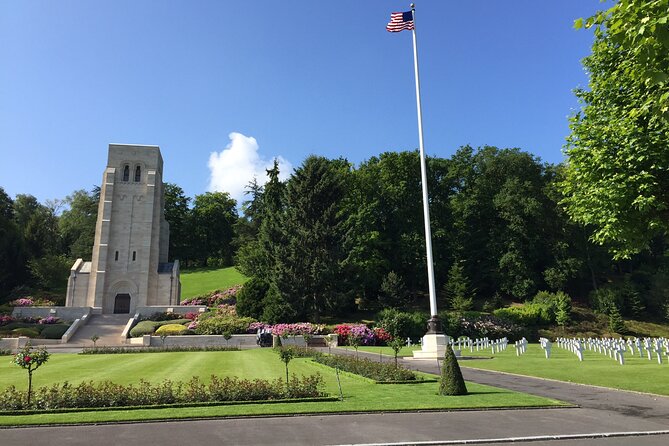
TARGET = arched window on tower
x,y
126,173
138,174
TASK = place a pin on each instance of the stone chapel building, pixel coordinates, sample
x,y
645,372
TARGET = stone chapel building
x,y
129,267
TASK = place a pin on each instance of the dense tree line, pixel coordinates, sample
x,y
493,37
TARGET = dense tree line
x,y
39,242
333,237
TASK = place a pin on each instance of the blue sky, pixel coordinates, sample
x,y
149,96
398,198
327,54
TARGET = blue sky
x,y
253,80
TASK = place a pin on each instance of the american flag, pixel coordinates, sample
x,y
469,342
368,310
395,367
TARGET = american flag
x,y
399,21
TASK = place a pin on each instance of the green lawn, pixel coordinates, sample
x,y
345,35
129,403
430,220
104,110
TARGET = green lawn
x,y
195,282
597,369
359,393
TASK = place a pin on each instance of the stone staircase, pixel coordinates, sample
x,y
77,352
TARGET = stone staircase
x,y
107,326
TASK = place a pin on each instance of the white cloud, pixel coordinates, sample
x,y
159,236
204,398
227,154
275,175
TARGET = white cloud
x,y
231,169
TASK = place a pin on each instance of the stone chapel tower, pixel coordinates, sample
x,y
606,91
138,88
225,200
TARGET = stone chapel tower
x,y
129,267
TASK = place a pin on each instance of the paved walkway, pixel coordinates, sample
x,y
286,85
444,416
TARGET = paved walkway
x,y
605,417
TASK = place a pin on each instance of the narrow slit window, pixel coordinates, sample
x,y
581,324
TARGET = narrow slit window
x,y
126,173
116,256
138,174
134,255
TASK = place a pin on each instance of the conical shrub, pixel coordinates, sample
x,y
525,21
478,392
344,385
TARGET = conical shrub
x,y
451,382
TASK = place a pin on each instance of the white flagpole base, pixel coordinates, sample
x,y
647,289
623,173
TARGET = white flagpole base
x,y
433,347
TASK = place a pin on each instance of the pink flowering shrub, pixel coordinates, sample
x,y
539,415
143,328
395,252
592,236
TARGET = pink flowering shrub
x,y
226,310
191,315
48,320
358,333
298,329
6,319
215,298
31,302
255,326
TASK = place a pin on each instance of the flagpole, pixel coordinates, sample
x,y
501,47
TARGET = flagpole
x,y
434,325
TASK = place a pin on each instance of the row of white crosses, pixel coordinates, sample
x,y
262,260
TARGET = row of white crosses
x,y
521,346
546,345
573,345
616,348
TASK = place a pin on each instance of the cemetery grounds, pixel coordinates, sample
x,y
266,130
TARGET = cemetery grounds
x,y
360,394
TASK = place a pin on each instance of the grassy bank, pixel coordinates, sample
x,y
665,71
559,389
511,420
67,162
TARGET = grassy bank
x,y
195,282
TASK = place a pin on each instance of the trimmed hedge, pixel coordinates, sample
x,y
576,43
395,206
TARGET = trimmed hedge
x,y
149,327
109,394
175,348
378,371
171,330
55,331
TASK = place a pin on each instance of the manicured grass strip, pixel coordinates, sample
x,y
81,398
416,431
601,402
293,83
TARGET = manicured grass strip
x,y
408,351
200,281
165,406
359,394
638,374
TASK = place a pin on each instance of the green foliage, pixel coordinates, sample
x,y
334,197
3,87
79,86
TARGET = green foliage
x,y
616,178
393,292
308,270
563,310
286,355
54,331
605,298
77,223
104,350
250,298
457,289
143,328
378,371
171,330
529,314
616,323
180,218
213,217
51,271
25,331
219,325
403,324
277,309
451,383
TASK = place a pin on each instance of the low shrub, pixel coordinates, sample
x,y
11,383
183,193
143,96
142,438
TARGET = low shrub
x,y
378,371
489,326
54,331
29,332
171,330
215,298
174,348
530,314
108,394
219,325
300,352
143,328
158,316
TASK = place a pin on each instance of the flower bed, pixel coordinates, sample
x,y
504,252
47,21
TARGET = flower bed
x,y
378,371
215,298
108,394
361,334
31,302
49,327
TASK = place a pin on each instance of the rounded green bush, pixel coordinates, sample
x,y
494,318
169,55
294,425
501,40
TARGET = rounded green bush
x,y
143,328
171,330
55,331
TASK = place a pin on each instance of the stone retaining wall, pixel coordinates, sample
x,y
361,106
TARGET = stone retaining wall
x,y
64,313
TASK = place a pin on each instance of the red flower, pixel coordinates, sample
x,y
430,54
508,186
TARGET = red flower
x,y
26,359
